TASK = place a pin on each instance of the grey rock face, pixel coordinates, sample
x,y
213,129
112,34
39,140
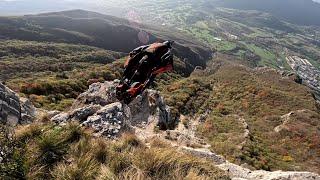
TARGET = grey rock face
x,y
238,172
151,105
51,114
109,121
98,93
61,118
28,111
99,109
81,114
203,153
14,110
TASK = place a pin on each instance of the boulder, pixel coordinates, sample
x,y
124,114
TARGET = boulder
x,y
204,153
13,109
150,105
98,93
98,109
28,111
60,118
109,121
81,114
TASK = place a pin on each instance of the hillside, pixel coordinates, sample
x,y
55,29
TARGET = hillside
x,y
52,74
249,112
60,145
51,58
251,116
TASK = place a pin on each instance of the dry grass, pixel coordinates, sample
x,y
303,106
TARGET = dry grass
x,y
68,153
166,163
23,133
82,168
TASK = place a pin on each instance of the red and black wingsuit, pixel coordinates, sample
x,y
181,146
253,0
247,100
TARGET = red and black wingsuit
x,y
142,66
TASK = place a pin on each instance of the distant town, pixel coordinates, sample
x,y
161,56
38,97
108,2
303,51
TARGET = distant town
x,y
307,72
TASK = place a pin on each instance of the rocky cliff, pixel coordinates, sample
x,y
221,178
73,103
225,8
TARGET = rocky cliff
x,y
14,110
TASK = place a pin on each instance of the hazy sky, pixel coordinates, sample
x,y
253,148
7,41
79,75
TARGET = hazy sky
x,y
20,7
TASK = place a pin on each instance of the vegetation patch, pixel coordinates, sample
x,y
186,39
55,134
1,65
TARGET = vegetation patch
x,y
261,98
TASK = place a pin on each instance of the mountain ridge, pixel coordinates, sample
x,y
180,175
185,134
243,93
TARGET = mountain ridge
x,y
104,31
296,11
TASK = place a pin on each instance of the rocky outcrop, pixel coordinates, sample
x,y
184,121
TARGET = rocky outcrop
x,y
99,109
98,93
240,173
28,111
151,105
237,172
186,141
10,110
109,121
205,153
14,110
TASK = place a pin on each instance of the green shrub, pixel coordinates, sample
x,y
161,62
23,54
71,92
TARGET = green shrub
x,y
51,147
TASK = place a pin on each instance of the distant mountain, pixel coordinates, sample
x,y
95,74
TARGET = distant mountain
x,y
303,12
98,30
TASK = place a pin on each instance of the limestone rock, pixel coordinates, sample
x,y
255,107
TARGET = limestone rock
x,y
109,121
81,114
14,110
203,153
98,93
281,175
151,106
60,118
237,172
99,109
28,111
